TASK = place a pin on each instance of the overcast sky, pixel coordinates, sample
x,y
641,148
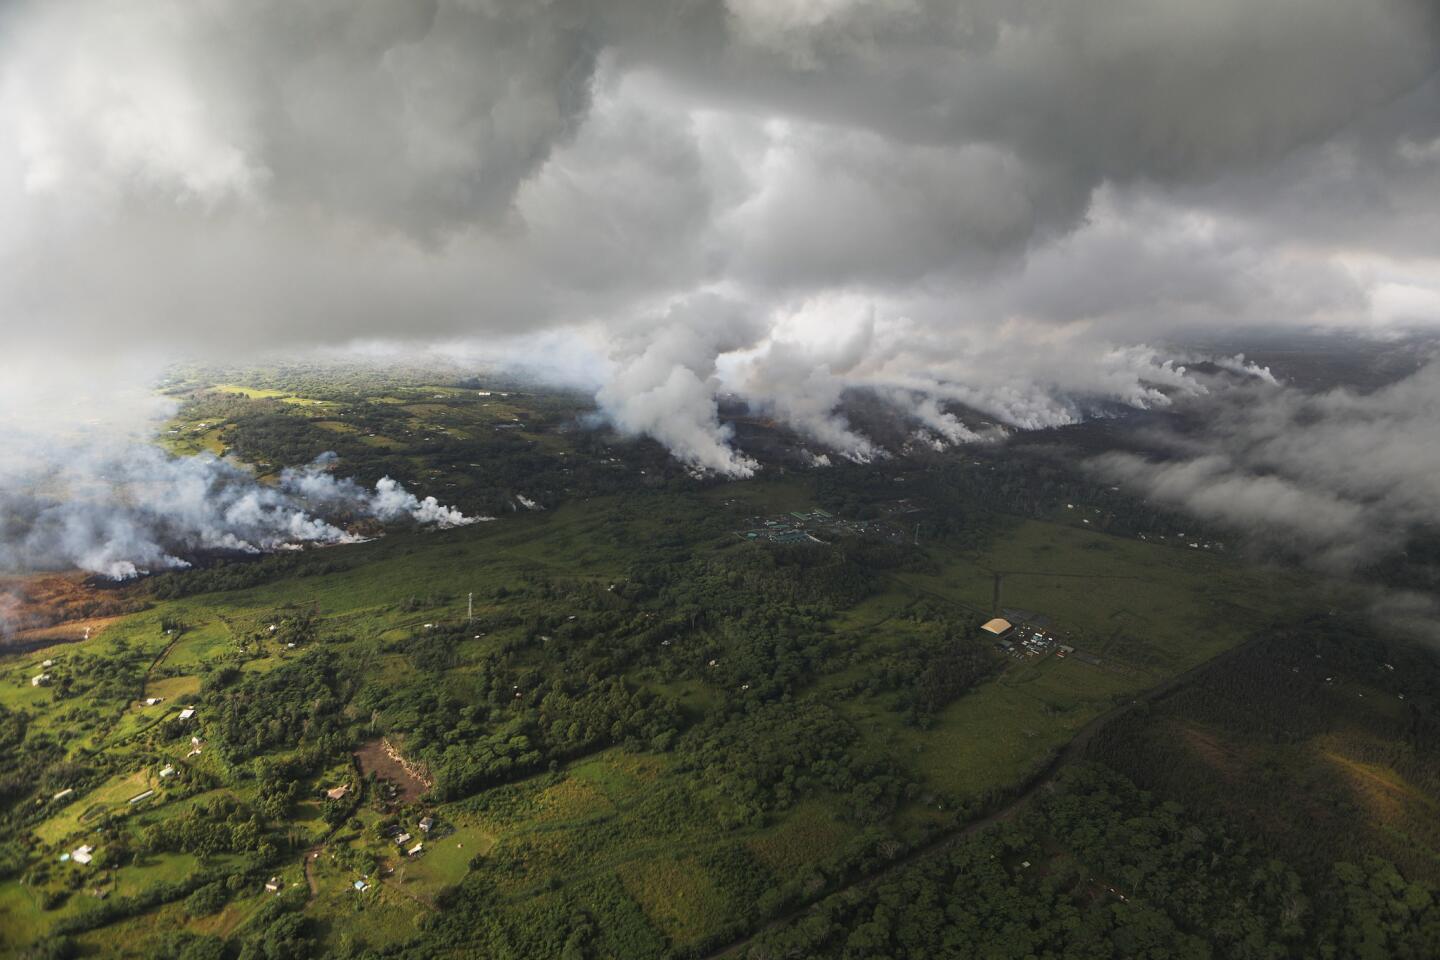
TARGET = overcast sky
x,y
1013,203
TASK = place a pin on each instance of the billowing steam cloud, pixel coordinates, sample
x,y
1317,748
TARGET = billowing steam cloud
x,y
389,501
1008,206
147,511
1241,367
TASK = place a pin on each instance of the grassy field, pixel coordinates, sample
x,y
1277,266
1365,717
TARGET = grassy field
x,y
997,735
677,895
791,845
1157,608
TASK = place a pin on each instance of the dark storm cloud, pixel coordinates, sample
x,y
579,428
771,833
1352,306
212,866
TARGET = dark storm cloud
x,y
1008,204
1111,89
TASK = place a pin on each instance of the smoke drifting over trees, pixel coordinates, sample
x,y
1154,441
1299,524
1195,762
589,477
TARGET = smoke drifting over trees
x,y
140,510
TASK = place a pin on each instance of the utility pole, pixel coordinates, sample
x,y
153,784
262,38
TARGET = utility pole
x,y
470,610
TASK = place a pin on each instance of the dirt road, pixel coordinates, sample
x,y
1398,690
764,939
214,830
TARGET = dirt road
x,y
310,857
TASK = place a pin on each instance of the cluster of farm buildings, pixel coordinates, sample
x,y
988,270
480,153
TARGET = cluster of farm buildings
x,y
1024,635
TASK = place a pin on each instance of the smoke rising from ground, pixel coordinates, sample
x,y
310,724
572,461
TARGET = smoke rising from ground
x,y
141,510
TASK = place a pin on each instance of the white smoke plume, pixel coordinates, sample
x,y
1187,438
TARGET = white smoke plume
x,y
666,387
11,618
389,502
1242,367
142,510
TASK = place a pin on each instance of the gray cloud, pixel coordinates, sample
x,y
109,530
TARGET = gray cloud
x,y
1342,476
1009,205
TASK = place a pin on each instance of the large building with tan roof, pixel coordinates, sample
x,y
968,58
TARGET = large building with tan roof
x,y
997,628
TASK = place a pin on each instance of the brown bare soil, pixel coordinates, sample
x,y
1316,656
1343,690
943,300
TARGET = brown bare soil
x,y
385,762
56,608
68,632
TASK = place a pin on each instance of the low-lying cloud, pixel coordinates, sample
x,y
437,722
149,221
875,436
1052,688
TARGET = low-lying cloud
x,y
1341,476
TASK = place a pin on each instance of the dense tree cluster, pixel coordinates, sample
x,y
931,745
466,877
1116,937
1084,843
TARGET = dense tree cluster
x,y
513,722
1277,735
928,672
114,675
243,573
766,759
591,921
299,702
1101,869
219,824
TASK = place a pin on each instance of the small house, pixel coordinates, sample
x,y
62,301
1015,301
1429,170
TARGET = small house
x,y
83,854
187,713
273,885
68,791
152,701
403,839
167,772
361,886
40,680
336,793
426,823
415,849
